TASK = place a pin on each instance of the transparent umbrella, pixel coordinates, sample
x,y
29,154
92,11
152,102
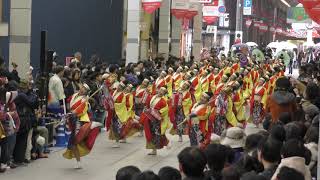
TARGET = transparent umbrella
x,y
284,56
259,55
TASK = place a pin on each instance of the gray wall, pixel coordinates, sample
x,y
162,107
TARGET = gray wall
x,y
88,26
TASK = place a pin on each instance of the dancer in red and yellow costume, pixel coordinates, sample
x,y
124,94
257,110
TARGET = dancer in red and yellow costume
x,y
258,101
169,82
195,85
83,131
199,132
156,121
177,78
161,80
122,124
180,107
141,96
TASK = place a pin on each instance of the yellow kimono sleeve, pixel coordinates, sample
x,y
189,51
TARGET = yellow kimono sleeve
x,y
264,99
169,88
198,92
187,105
205,87
84,117
231,118
165,122
121,111
131,113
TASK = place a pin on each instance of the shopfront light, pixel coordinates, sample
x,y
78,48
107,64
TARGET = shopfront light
x,y
286,3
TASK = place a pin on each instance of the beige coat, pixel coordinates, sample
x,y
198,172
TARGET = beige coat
x,y
297,163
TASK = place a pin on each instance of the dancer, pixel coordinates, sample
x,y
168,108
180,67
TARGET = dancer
x,y
83,131
199,133
257,102
140,96
169,81
156,121
177,78
122,124
180,107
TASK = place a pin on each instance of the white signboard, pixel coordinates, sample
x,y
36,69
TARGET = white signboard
x,y
211,29
210,11
205,1
247,7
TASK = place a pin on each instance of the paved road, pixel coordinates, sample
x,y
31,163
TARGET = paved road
x,y
101,164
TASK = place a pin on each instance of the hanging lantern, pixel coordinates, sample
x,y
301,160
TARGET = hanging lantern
x,y
151,5
179,8
193,9
314,13
309,3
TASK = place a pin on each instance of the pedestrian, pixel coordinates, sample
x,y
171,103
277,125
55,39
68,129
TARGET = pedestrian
x,y
281,100
56,97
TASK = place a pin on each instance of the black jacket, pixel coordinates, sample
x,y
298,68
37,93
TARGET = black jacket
x,y
26,104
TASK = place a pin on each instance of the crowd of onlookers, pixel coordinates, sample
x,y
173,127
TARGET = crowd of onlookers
x,y
22,137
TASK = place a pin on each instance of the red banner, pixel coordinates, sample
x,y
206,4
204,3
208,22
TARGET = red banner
x,y
151,5
210,19
248,22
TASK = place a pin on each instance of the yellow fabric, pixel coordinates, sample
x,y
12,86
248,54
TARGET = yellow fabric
x,y
121,110
240,109
165,119
231,118
227,70
198,91
169,88
83,117
187,105
264,99
2,133
131,110
205,85
83,151
213,86
247,92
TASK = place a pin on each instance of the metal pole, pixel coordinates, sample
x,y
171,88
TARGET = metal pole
x,y
238,16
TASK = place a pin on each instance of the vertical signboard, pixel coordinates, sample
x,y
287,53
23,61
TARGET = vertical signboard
x,y
247,7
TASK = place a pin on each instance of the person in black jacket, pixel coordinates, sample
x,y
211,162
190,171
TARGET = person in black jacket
x,y
26,102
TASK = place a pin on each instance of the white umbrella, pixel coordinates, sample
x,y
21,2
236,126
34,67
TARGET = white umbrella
x,y
317,45
251,44
287,45
308,44
273,45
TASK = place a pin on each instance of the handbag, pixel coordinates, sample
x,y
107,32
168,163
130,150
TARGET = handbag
x,y
2,132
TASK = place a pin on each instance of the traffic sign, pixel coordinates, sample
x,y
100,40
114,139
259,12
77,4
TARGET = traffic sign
x,y
247,7
222,9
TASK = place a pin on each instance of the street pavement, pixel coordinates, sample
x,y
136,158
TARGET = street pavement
x,y
101,164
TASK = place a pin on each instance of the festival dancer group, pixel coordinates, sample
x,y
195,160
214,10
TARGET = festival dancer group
x,y
199,100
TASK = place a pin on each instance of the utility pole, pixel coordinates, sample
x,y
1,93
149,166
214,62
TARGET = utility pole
x,y
239,20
